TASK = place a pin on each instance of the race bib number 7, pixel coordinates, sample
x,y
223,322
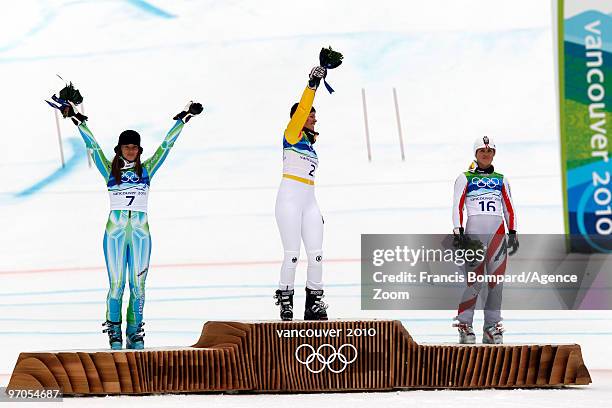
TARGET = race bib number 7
x,y
134,198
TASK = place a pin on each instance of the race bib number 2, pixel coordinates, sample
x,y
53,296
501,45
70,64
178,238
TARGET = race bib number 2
x,y
299,165
312,170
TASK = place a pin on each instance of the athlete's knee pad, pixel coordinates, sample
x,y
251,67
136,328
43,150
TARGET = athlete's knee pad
x,y
287,275
315,258
314,272
291,259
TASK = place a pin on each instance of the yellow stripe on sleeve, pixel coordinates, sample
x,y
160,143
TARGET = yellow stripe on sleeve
x,y
293,133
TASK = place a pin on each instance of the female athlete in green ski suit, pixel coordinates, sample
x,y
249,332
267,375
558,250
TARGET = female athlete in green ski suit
x,y
127,242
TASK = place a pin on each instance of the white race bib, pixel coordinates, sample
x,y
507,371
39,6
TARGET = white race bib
x,y
484,196
130,197
299,165
488,204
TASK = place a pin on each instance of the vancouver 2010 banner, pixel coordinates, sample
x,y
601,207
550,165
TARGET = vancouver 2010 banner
x,y
584,38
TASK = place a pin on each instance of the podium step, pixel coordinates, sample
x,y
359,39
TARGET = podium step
x,y
331,356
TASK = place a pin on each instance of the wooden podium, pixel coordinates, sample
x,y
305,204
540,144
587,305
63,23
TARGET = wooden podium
x,y
366,355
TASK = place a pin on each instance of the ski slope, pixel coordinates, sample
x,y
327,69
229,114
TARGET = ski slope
x,y
459,73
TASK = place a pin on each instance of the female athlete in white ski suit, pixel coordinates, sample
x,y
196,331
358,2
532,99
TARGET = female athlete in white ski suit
x,y
297,212
486,196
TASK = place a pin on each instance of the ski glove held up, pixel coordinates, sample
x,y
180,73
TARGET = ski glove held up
x,y
192,109
315,76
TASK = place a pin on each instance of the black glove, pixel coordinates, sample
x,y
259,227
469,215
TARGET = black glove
x,y
76,116
513,243
460,240
192,109
315,76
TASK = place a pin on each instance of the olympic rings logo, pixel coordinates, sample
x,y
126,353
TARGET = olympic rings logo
x,y
130,177
482,182
326,362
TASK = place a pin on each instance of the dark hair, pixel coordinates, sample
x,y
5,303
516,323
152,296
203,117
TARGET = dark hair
x,y
117,164
294,108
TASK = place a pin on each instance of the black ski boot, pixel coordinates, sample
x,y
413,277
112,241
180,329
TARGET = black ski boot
x,y
113,329
315,308
284,299
134,334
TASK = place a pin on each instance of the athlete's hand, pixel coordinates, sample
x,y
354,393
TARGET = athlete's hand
x,y
67,101
192,109
513,243
315,76
459,238
67,109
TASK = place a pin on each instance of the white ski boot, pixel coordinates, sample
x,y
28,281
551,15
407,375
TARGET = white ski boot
x,y
493,334
466,333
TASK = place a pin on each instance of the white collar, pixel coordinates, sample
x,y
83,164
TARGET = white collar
x,y
127,164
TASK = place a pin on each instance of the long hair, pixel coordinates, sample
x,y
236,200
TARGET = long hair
x,y
118,163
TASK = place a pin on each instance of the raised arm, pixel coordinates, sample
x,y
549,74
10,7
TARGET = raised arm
x,y
67,103
293,132
153,163
96,153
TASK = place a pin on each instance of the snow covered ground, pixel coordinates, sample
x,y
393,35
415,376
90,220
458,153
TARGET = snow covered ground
x,y
597,394
216,250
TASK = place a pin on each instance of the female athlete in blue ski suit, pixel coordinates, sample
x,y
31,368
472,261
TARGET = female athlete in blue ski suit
x,y
127,242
